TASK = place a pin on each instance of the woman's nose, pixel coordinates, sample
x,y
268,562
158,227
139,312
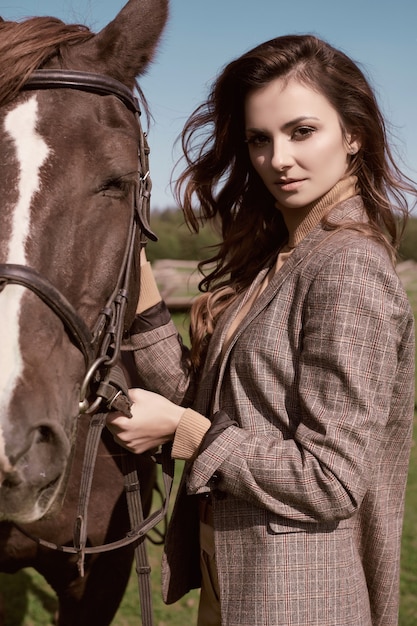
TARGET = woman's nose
x,y
281,156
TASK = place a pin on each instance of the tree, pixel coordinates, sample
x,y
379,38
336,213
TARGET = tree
x,y
408,248
175,241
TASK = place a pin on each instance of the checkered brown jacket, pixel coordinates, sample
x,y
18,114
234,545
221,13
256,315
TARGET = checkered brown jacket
x,y
309,489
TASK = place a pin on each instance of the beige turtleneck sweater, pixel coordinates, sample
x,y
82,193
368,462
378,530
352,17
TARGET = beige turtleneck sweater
x,y
299,223
193,426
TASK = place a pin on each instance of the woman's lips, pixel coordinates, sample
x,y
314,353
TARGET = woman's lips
x,y
290,184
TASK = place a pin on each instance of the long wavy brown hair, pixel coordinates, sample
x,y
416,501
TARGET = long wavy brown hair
x,y
220,184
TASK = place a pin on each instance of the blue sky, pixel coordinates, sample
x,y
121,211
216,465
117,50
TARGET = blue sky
x,y
203,35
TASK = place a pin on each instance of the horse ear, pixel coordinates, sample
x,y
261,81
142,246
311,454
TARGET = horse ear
x,y
124,48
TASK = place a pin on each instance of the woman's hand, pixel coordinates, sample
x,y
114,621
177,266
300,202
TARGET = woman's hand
x,y
154,421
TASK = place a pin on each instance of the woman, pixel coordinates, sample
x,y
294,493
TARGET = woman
x,y
299,384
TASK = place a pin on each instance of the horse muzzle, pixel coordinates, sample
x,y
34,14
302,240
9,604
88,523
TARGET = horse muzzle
x,y
32,469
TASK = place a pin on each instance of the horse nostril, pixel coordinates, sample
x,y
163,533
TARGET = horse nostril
x,y
11,481
45,434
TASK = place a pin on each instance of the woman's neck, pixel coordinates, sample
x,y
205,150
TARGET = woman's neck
x,y
300,221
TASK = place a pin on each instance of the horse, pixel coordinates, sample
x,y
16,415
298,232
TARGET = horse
x,y
69,137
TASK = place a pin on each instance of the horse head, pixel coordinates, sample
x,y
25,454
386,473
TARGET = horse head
x,y
68,182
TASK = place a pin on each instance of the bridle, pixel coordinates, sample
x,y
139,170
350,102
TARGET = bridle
x,y
101,347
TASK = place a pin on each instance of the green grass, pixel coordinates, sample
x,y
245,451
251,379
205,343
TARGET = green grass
x,y
29,601
182,613
408,583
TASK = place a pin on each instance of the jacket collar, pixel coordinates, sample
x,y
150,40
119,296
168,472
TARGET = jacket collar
x,y
350,210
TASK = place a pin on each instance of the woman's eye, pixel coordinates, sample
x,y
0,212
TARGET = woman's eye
x,y
257,140
303,132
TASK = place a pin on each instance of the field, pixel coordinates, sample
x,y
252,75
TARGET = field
x,y
29,601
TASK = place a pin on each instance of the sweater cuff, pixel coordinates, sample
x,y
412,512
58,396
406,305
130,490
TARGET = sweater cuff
x,y
149,293
189,434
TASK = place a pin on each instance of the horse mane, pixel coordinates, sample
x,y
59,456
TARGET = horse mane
x,y
27,45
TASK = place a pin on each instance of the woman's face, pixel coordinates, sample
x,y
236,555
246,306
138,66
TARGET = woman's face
x,y
295,141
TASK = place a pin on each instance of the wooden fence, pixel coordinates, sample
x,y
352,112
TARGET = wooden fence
x,y
178,280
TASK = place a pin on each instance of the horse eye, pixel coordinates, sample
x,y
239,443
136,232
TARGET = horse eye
x,y
114,188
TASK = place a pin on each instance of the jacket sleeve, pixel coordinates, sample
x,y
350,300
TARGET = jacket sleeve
x,y
161,360
351,385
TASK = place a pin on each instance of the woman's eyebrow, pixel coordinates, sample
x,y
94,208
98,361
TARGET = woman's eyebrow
x,y
298,120
287,125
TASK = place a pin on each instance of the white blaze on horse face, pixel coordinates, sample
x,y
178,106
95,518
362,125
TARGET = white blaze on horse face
x,y
31,153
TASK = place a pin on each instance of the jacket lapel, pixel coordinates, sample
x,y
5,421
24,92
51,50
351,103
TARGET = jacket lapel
x,y
349,210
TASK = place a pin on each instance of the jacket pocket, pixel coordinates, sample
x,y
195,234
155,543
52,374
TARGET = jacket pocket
x,y
278,525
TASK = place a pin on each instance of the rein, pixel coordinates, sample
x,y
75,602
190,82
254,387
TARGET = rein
x,y
29,278
101,347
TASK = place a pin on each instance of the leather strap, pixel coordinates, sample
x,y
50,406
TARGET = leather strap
x,y
97,424
136,533
45,290
89,81
143,570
